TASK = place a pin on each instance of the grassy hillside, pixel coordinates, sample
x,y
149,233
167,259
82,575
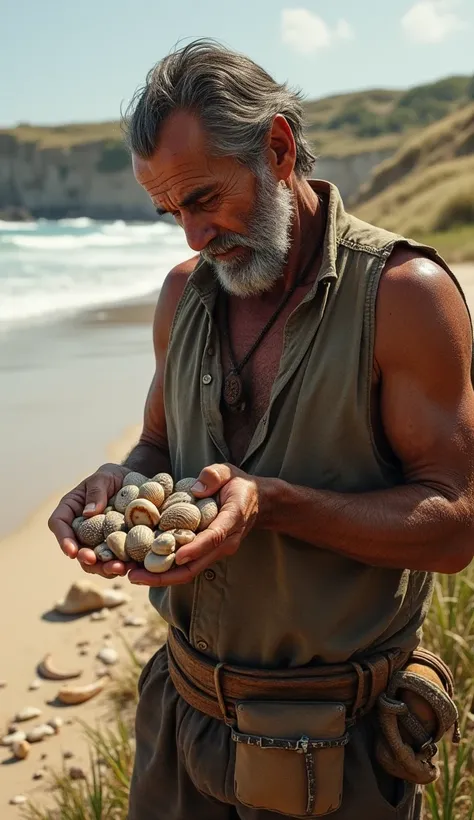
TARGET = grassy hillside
x,y
426,189
339,125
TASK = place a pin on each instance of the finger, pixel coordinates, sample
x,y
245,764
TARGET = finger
x,y
211,479
225,525
108,569
87,556
99,488
61,519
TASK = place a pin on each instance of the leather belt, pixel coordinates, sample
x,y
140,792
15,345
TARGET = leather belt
x,y
215,688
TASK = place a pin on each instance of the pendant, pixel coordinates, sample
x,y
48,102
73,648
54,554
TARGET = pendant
x,y
233,390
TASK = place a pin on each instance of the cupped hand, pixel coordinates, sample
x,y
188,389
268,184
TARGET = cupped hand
x,y
239,498
89,498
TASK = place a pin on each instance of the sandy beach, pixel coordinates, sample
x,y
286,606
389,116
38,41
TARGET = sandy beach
x,y
72,398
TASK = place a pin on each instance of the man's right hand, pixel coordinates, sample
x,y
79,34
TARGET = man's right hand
x,y
89,498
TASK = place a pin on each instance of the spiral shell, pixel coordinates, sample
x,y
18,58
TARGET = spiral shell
x,y
125,496
152,491
158,563
178,498
181,516
138,542
91,531
133,478
116,543
209,510
141,511
114,522
184,484
166,482
164,544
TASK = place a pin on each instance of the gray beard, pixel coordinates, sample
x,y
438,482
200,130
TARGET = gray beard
x,y
266,245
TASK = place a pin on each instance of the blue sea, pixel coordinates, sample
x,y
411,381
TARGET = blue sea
x,y
50,269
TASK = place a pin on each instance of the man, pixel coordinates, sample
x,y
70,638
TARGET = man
x,y
314,373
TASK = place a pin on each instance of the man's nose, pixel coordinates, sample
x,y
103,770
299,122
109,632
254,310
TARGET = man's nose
x,y
199,232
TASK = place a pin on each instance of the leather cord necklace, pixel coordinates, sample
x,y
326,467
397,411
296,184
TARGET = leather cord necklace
x,y
233,392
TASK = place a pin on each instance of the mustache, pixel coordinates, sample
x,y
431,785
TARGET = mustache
x,y
224,243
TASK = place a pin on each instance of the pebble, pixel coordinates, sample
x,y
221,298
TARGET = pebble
x,y
43,756
68,754
39,774
35,684
18,800
84,652
83,643
39,733
76,773
134,620
55,723
27,713
13,737
101,615
108,655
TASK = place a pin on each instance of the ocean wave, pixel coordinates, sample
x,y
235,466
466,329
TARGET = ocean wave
x,y
79,222
6,227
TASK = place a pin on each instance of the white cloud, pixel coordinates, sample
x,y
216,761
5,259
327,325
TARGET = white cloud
x,y
307,33
432,21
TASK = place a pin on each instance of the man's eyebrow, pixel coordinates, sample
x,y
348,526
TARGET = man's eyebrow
x,y
191,198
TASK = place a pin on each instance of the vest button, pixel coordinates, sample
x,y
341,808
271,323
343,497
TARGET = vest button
x,y
207,378
210,350
209,575
202,646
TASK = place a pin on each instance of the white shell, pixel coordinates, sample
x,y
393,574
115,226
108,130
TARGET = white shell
x,y
134,620
116,542
108,655
183,497
79,694
158,563
13,737
125,496
35,684
56,723
18,800
152,491
143,512
164,544
101,615
183,537
181,516
139,541
39,733
27,713
134,478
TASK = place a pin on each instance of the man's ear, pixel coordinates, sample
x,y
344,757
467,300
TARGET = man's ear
x,y
281,148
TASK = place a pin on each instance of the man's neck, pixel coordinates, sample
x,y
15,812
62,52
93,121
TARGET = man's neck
x,y
308,225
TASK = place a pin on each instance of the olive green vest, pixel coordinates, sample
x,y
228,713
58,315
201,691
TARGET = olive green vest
x,y
280,602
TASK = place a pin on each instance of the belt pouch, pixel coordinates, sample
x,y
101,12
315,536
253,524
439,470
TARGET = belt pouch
x,y
289,756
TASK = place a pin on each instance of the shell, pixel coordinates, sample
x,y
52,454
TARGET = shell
x,y
159,563
79,694
13,737
27,713
21,749
77,522
56,723
134,478
91,531
108,509
103,552
108,655
114,522
139,541
116,543
84,596
184,484
47,670
166,482
18,800
181,516
39,733
100,616
143,512
164,544
134,620
183,537
178,498
209,510
125,496
35,684
152,491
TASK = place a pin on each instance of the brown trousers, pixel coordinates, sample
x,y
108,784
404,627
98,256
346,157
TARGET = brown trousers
x,y
184,765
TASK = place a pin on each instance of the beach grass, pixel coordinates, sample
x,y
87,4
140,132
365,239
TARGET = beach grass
x,y
449,631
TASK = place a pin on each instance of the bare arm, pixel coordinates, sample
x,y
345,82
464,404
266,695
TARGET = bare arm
x,y
423,350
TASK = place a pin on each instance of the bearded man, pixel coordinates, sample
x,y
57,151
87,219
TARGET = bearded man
x,y
313,372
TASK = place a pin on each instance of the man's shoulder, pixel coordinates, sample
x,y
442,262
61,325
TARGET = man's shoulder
x,y
177,279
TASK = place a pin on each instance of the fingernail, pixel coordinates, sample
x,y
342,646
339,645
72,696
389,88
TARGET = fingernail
x,y
199,487
183,560
89,508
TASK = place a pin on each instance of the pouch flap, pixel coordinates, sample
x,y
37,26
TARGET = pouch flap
x,y
291,719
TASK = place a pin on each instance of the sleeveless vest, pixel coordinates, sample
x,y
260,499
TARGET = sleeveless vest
x,y
280,602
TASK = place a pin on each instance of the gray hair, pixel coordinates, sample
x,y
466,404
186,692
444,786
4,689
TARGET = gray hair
x,y
234,97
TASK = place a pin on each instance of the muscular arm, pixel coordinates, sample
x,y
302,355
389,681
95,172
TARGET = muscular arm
x,y
423,354
151,455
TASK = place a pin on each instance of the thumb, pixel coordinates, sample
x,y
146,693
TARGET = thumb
x,y
96,498
211,479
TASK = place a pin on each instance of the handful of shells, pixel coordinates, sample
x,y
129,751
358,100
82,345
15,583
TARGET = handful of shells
x,y
147,521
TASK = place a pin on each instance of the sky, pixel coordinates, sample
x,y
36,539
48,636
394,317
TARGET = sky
x,y
63,61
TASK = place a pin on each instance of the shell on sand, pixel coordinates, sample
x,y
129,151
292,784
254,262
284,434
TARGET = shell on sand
x,y
91,531
56,723
159,563
134,478
27,713
166,482
139,541
71,695
84,596
108,655
125,496
143,512
18,800
134,620
21,749
13,737
39,733
47,670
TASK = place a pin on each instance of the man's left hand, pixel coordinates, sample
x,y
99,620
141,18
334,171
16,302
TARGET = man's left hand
x,y
239,501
